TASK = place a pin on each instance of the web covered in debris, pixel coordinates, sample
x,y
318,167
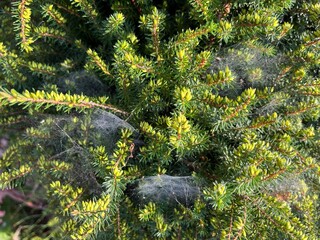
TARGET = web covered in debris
x,y
103,130
68,139
251,66
170,190
293,184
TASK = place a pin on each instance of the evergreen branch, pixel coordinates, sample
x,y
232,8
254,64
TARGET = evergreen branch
x,y
7,121
311,166
282,74
118,223
261,122
317,84
274,175
8,177
281,225
153,24
68,9
54,14
241,106
23,20
311,94
243,223
257,19
215,101
10,63
263,25
51,35
231,223
24,24
59,100
258,125
201,6
220,78
3,50
155,34
87,8
41,68
95,59
195,115
313,42
302,109
98,209
192,35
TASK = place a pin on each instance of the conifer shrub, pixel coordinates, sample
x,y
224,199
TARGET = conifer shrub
x,y
159,119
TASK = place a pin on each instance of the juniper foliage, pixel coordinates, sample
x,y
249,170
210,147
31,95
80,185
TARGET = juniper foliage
x,y
161,119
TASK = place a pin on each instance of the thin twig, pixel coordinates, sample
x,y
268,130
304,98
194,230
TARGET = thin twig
x,y
230,225
118,222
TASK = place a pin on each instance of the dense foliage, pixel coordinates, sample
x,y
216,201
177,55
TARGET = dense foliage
x,y
160,119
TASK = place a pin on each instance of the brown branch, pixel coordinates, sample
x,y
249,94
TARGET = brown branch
x,y
118,223
252,25
244,222
237,110
212,104
19,197
273,175
102,67
192,36
230,225
315,41
256,126
309,85
310,94
23,24
55,36
145,68
68,10
200,5
301,110
155,38
53,16
74,201
282,73
136,6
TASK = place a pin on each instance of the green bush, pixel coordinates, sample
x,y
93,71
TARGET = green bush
x,y
161,119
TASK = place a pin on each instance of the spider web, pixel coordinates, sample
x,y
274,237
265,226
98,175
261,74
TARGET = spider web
x,y
81,82
243,60
169,190
62,142
287,184
105,129
251,66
